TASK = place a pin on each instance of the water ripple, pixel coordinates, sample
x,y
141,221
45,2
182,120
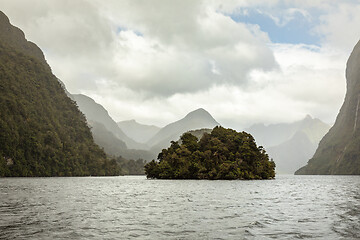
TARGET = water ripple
x,y
290,207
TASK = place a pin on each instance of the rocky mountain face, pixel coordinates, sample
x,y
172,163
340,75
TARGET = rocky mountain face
x,y
197,119
139,132
42,132
290,144
339,150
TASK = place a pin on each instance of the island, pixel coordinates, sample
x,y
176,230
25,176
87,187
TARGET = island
x,y
222,154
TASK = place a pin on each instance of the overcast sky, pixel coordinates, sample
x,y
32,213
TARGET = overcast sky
x,y
154,61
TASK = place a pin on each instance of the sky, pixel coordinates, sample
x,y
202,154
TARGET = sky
x,y
154,61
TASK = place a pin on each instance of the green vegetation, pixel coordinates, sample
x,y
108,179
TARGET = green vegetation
x,y
42,132
131,167
223,154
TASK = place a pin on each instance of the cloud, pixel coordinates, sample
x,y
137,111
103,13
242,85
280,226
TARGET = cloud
x,y
155,61
310,81
334,22
76,39
159,47
340,26
286,16
179,54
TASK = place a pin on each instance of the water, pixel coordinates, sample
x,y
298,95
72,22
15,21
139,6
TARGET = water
x,y
290,207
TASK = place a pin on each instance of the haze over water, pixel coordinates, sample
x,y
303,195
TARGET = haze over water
x,y
290,207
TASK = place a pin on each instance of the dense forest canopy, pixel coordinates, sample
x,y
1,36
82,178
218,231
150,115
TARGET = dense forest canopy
x,y
131,167
42,132
223,154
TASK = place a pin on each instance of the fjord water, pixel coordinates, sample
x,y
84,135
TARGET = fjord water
x,y
289,207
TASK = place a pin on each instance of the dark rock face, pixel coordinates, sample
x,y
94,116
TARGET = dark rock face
x,y
339,150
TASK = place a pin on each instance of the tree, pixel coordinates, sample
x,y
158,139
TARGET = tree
x,y
223,154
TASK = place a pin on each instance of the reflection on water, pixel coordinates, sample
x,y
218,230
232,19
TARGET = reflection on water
x,y
290,207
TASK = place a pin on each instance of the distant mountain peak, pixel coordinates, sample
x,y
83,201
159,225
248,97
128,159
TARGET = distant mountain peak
x,y
137,131
131,121
199,113
197,119
308,117
199,110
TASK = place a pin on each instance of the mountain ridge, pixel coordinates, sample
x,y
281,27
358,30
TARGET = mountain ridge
x,y
15,38
95,112
116,147
275,134
290,144
194,120
137,131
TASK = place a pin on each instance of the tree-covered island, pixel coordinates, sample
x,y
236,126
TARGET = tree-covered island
x,y
222,154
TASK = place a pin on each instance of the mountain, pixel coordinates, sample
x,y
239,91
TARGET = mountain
x,y
275,134
339,150
104,138
65,90
15,38
114,146
197,119
139,132
290,144
293,153
42,132
199,133
94,112
108,134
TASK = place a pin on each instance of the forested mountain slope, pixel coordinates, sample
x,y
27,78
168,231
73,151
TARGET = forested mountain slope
x,y
42,132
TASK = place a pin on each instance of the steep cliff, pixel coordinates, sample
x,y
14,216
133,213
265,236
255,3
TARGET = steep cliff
x,y
339,150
